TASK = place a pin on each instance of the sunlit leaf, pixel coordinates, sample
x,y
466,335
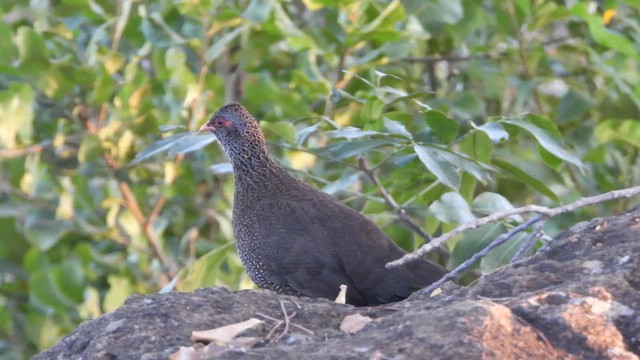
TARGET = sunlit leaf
x,y
191,142
16,114
346,149
223,168
488,203
624,131
258,10
494,130
350,133
451,208
341,184
396,127
302,135
158,147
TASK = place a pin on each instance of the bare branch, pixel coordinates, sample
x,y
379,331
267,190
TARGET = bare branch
x,y
528,244
479,255
545,212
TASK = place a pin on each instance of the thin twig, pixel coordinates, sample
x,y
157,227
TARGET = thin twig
x,y
542,210
286,321
292,324
528,244
13,153
401,212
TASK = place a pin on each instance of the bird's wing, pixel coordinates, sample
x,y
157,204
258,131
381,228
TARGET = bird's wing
x,y
328,244
297,247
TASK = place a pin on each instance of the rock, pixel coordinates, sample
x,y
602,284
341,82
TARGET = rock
x,y
577,299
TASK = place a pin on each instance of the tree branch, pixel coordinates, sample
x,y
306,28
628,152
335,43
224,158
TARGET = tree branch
x,y
544,213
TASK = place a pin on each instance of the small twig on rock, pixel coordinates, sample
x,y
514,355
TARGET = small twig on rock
x,y
544,212
287,323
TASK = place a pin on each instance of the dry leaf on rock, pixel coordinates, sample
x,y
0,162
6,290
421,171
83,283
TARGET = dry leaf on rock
x,y
342,295
354,323
224,333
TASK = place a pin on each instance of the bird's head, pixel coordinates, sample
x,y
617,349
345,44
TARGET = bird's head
x,y
236,129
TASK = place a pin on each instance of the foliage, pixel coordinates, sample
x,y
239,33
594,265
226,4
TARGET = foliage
x,y
461,108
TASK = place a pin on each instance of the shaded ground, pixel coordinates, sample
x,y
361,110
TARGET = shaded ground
x,y
577,299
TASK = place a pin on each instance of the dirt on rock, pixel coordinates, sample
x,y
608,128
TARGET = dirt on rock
x,y
579,298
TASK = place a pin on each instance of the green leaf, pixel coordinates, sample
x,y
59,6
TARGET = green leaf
x,y
205,271
372,109
16,114
158,147
548,141
396,127
69,278
349,132
191,142
90,149
223,168
32,51
478,146
8,51
45,294
451,208
502,254
220,45
494,130
282,129
346,149
624,131
442,169
526,178
472,242
572,105
258,10
443,127
342,183
488,203
302,135
42,230
120,288
463,162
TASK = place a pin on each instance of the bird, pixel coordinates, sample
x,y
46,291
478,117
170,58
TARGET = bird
x,y
297,240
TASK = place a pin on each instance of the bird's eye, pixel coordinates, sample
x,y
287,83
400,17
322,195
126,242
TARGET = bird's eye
x,y
220,122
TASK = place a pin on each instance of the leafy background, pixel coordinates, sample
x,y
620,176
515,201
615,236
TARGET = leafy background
x,y
460,108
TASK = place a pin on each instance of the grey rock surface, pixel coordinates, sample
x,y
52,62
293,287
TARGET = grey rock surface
x,y
577,299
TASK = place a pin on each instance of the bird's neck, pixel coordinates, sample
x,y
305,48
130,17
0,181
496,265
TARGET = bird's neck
x,y
254,167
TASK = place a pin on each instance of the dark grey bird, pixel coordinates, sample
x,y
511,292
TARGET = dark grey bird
x,y
297,240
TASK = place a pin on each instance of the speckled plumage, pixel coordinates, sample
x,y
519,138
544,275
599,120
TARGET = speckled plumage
x,y
297,240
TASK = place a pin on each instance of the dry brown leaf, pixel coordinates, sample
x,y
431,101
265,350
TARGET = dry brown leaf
x,y
354,323
224,333
243,343
184,353
435,292
342,295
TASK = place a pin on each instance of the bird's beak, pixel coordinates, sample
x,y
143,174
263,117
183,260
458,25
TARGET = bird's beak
x,y
206,127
